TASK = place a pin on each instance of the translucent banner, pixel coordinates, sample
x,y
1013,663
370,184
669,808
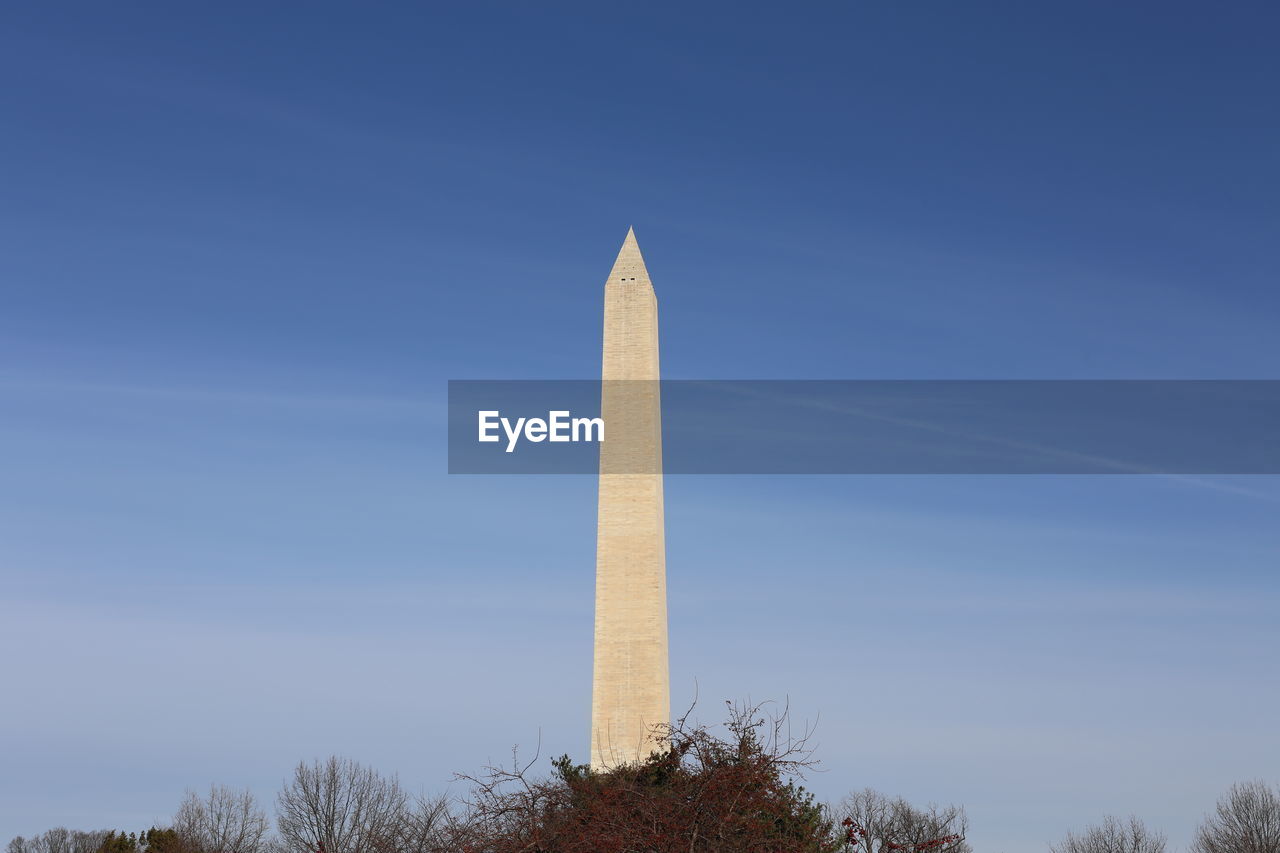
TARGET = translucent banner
x,y
864,427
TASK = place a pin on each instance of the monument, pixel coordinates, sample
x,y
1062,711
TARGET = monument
x,y
630,687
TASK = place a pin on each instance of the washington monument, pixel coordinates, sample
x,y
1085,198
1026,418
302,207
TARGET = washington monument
x,y
630,689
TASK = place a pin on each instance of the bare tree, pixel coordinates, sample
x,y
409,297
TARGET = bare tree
x,y
56,840
338,806
427,826
225,821
876,823
1246,820
59,840
87,842
1114,835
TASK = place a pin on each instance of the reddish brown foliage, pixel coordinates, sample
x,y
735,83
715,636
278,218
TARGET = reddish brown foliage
x,y
699,794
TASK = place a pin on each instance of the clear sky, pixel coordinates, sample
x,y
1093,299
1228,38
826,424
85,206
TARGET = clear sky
x,y
243,247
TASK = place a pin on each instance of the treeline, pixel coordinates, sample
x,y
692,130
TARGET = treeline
x,y
1245,820
700,793
332,806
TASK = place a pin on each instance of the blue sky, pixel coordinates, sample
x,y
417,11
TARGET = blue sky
x,y
242,250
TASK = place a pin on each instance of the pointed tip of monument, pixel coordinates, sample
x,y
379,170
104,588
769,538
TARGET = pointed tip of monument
x,y
629,244
630,263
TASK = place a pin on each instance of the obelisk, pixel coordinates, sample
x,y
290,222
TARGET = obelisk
x,y
630,688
